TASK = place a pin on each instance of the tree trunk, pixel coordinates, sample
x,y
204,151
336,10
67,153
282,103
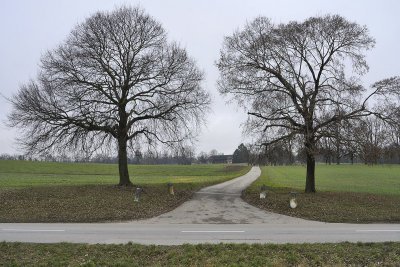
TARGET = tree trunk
x,y
310,177
123,163
337,145
122,144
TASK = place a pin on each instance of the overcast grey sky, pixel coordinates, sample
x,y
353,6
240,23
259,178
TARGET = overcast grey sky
x,y
29,28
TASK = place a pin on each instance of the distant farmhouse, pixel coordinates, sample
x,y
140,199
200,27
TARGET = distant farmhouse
x,y
220,159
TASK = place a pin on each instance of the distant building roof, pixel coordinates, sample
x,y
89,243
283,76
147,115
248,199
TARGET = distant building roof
x,y
221,156
220,159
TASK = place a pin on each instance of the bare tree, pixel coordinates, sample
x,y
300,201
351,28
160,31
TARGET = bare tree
x,y
325,150
213,152
291,79
339,143
115,81
372,137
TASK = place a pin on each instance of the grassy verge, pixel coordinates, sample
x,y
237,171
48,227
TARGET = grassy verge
x,y
66,192
90,203
63,254
328,206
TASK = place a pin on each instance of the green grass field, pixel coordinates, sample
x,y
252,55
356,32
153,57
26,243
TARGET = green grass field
x,y
345,193
379,179
28,173
76,192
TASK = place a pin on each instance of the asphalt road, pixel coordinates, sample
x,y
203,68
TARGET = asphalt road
x,y
176,234
215,214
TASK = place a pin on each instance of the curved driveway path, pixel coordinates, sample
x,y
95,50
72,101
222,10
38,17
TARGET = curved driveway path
x,y
222,204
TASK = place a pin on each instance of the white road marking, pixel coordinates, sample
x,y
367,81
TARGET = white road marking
x,y
218,193
226,231
376,230
31,230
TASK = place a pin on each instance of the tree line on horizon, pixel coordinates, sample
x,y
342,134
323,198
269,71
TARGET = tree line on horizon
x,y
181,156
379,147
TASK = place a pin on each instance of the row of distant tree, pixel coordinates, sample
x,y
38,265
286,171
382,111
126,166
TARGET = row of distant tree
x,y
368,140
182,156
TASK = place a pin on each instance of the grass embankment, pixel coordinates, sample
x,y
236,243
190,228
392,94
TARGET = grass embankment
x,y
345,193
75,192
342,254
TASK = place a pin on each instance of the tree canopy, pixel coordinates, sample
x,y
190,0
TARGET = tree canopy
x,y
292,79
115,82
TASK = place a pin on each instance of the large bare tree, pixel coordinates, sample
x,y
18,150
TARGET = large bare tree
x,y
115,81
291,79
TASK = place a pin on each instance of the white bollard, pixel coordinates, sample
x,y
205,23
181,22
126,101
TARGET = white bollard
x,y
293,201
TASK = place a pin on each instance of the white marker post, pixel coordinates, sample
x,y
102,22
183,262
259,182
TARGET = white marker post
x,y
263,191
293,201
171,188
137,195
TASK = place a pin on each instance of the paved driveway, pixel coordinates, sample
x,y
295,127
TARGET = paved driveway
x,y
222,204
